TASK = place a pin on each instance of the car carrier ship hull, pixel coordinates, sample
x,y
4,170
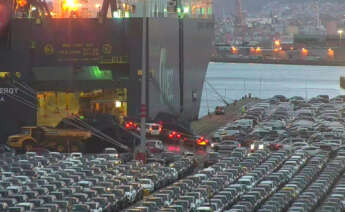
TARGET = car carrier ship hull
x,y
77,59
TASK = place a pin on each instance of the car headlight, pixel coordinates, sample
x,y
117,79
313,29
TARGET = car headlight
x,y
117,155
212,145
252,146
261,146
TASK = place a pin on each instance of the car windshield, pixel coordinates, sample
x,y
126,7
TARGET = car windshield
x,y
111,151
25,131
143,181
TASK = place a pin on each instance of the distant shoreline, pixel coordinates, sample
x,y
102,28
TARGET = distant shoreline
x,y
284,62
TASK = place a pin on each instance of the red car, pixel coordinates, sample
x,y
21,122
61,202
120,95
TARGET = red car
x,y
174,136
130,125
275,146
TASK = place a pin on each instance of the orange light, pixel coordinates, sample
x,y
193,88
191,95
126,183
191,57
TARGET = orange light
x,y
305,52
252,50
22,3
330,52
277,43
258,50
234,50
71,5
276,50
202,143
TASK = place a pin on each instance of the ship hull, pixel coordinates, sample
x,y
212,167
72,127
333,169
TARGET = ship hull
x,y
177,58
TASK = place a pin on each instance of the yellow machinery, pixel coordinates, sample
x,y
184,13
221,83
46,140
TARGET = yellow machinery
x,y
61,140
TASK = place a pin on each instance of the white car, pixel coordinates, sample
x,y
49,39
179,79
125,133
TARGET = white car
x,y
152,129
27,205
155,145
130,192
111,152
311,150
77,155
23,179
147,184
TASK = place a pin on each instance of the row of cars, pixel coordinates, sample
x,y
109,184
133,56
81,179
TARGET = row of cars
x,y
263,181
312,126
253,130
242,181
192,192
252,179
158,132
335,201
310,198
311,129
302,171
77,182
318,124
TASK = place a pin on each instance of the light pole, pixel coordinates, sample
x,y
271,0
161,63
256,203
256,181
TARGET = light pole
x,y
340,32
143,109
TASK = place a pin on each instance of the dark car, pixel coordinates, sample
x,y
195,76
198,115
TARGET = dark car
x,y
225,146
220,110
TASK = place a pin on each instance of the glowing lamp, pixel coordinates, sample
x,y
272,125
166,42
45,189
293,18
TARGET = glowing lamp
x,y
117,104
116,14
277,43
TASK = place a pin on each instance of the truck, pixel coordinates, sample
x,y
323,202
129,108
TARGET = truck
x,y
61,140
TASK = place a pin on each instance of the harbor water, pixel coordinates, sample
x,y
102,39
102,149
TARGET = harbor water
x,y
234,80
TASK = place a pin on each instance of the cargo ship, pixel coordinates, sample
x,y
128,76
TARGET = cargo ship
x,y
64,59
